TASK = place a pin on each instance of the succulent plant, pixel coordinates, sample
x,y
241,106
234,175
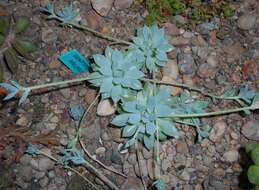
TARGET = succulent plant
x,y
115,74
253,170
12,43
146,115
150,46
67,14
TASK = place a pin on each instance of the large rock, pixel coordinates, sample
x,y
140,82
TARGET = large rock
x,y
251,130
105,108
247,21
122,4
102,7
186,64
217,131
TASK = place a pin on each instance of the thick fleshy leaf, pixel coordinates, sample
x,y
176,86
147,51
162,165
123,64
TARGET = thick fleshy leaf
x,y
4,25
168,128
134,73
150,128
129,107
149,141
11,59
161,56
255,156
116,93
129,130
101,61
24,96
21,24
24,47
163,111
134,118
136,84
12,90
251,146
253,174
106,85
120,120
117,58
130,142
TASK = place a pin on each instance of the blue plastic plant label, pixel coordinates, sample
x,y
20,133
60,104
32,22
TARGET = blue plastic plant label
x,y
75,61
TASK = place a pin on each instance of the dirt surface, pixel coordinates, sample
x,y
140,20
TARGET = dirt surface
x,y
200,59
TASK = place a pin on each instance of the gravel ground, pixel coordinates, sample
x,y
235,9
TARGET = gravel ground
x,y
200,59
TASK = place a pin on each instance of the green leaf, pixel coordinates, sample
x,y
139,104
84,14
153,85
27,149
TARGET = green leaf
x,y
12,60
24,47
251,146
4,25
2,39
120,120
149,141
255,155
22,24
129,130
253,174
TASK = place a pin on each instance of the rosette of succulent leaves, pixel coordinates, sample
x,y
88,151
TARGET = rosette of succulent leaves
x,y
150,47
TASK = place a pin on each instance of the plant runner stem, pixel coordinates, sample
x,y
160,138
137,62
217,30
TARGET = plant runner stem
x,y
96,33
212,113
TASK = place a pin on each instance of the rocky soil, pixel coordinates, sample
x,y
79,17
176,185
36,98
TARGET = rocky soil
x,y
200,59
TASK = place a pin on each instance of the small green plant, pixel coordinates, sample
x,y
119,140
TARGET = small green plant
x,y
12,44
253,170
146,112
196,10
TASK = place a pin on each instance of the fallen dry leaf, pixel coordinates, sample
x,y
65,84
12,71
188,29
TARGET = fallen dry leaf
x,y
249,68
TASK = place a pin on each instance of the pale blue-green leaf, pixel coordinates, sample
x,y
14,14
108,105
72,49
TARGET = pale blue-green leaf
x,y
24,96
166,47
129,130
161,56
96,82
106,70
162,136
150,63
108,52
168,128
116,93
11,95
134,73
120,120
149,141
135,84
138,42
95,75
129,107
117,58
146,33
134,118
163,111
150,128
76,112
126,82
106,85
130,142
101,60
